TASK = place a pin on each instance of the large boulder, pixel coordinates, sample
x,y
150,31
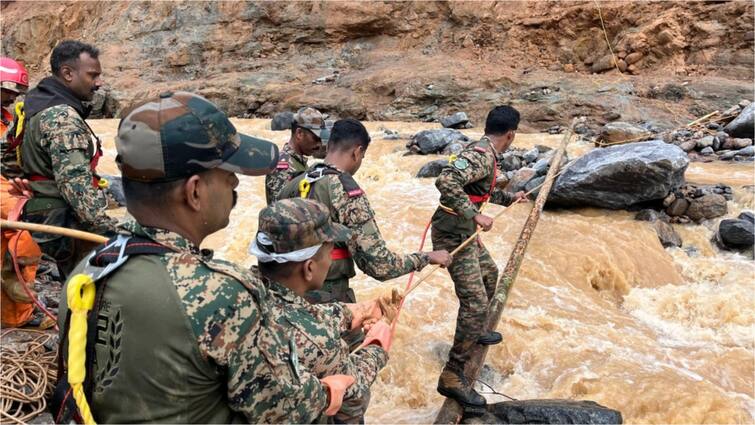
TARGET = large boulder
x,y
434,141
282,121
744,124
545,412
432,168
618,177
616,132
737,232
457,120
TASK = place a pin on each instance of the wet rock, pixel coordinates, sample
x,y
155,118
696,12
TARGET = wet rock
x,y
510,162
556,129
706,207
737,232
546,412
520,179
647,215
543,148
744,124
534,184
667,201
282,121
707,151
737,143
603,64
667,235
705,142
434,141
618,131
541,166
620,176
678,207
531,155
747,215
432,168
740,153
457,120
688,146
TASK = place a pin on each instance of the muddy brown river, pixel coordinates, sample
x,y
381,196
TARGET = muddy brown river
x,y
600,311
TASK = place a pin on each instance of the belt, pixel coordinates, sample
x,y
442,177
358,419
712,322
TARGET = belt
x,y
340,254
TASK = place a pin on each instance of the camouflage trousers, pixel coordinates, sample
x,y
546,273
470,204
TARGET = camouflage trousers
x,y
67,252
337,290
475,276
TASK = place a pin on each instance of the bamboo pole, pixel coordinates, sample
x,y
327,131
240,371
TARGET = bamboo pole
x,y
451,412
55,230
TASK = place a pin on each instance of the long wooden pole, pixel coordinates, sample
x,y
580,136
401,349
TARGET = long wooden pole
x,y
55,230
451,412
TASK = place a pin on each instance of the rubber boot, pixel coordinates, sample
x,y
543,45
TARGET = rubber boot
x,y
490,338
453,384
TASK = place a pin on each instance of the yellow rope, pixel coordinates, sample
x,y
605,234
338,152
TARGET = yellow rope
x,y
80,295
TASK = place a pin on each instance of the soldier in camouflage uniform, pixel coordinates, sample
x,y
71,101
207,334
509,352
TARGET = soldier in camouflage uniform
x,y
464,187
308,134
293,246
332,184
183,337
59,153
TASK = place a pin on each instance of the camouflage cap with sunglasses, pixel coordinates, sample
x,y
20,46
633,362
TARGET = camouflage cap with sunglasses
x,y
180,134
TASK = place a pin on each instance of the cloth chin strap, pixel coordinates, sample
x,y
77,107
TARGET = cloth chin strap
x,y
289,257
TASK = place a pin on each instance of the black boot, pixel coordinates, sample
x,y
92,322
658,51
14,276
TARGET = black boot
x,y
490,338
453,384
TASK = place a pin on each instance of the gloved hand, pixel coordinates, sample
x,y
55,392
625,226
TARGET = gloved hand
x,y
389,305
381,334
336,386
364,312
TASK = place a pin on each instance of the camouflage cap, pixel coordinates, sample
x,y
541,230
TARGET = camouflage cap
x,y
180,134
311,119
294,224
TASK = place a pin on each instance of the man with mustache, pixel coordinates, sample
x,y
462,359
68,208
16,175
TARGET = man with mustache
x,y
59,153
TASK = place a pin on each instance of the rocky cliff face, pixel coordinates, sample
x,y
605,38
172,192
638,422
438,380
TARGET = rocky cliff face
x,y
409,60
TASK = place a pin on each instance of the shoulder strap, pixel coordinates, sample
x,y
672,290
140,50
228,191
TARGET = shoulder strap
x,y
350,185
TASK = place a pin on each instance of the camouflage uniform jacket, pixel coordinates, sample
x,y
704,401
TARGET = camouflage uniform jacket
x,y
290,165
471,173
58,146
349,206
187,338
317,331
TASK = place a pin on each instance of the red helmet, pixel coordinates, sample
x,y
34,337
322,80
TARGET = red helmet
x,y
13,75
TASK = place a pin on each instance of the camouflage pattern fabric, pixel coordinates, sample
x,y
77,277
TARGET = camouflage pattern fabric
x,y
195,341
472,172
472,270
152,143
317,331
368,248
290,165
311,119
58,145
475,276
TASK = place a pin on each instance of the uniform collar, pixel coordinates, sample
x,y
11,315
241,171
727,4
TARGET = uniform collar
x,y
283,293
166,238
490,143
287,148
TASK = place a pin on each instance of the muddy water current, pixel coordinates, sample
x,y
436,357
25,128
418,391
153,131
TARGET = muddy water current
x,y
600,311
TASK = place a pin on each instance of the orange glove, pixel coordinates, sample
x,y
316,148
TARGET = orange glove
x,y
381,334
336,386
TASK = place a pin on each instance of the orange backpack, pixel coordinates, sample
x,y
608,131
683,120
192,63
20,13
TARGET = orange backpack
x,y
19,259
